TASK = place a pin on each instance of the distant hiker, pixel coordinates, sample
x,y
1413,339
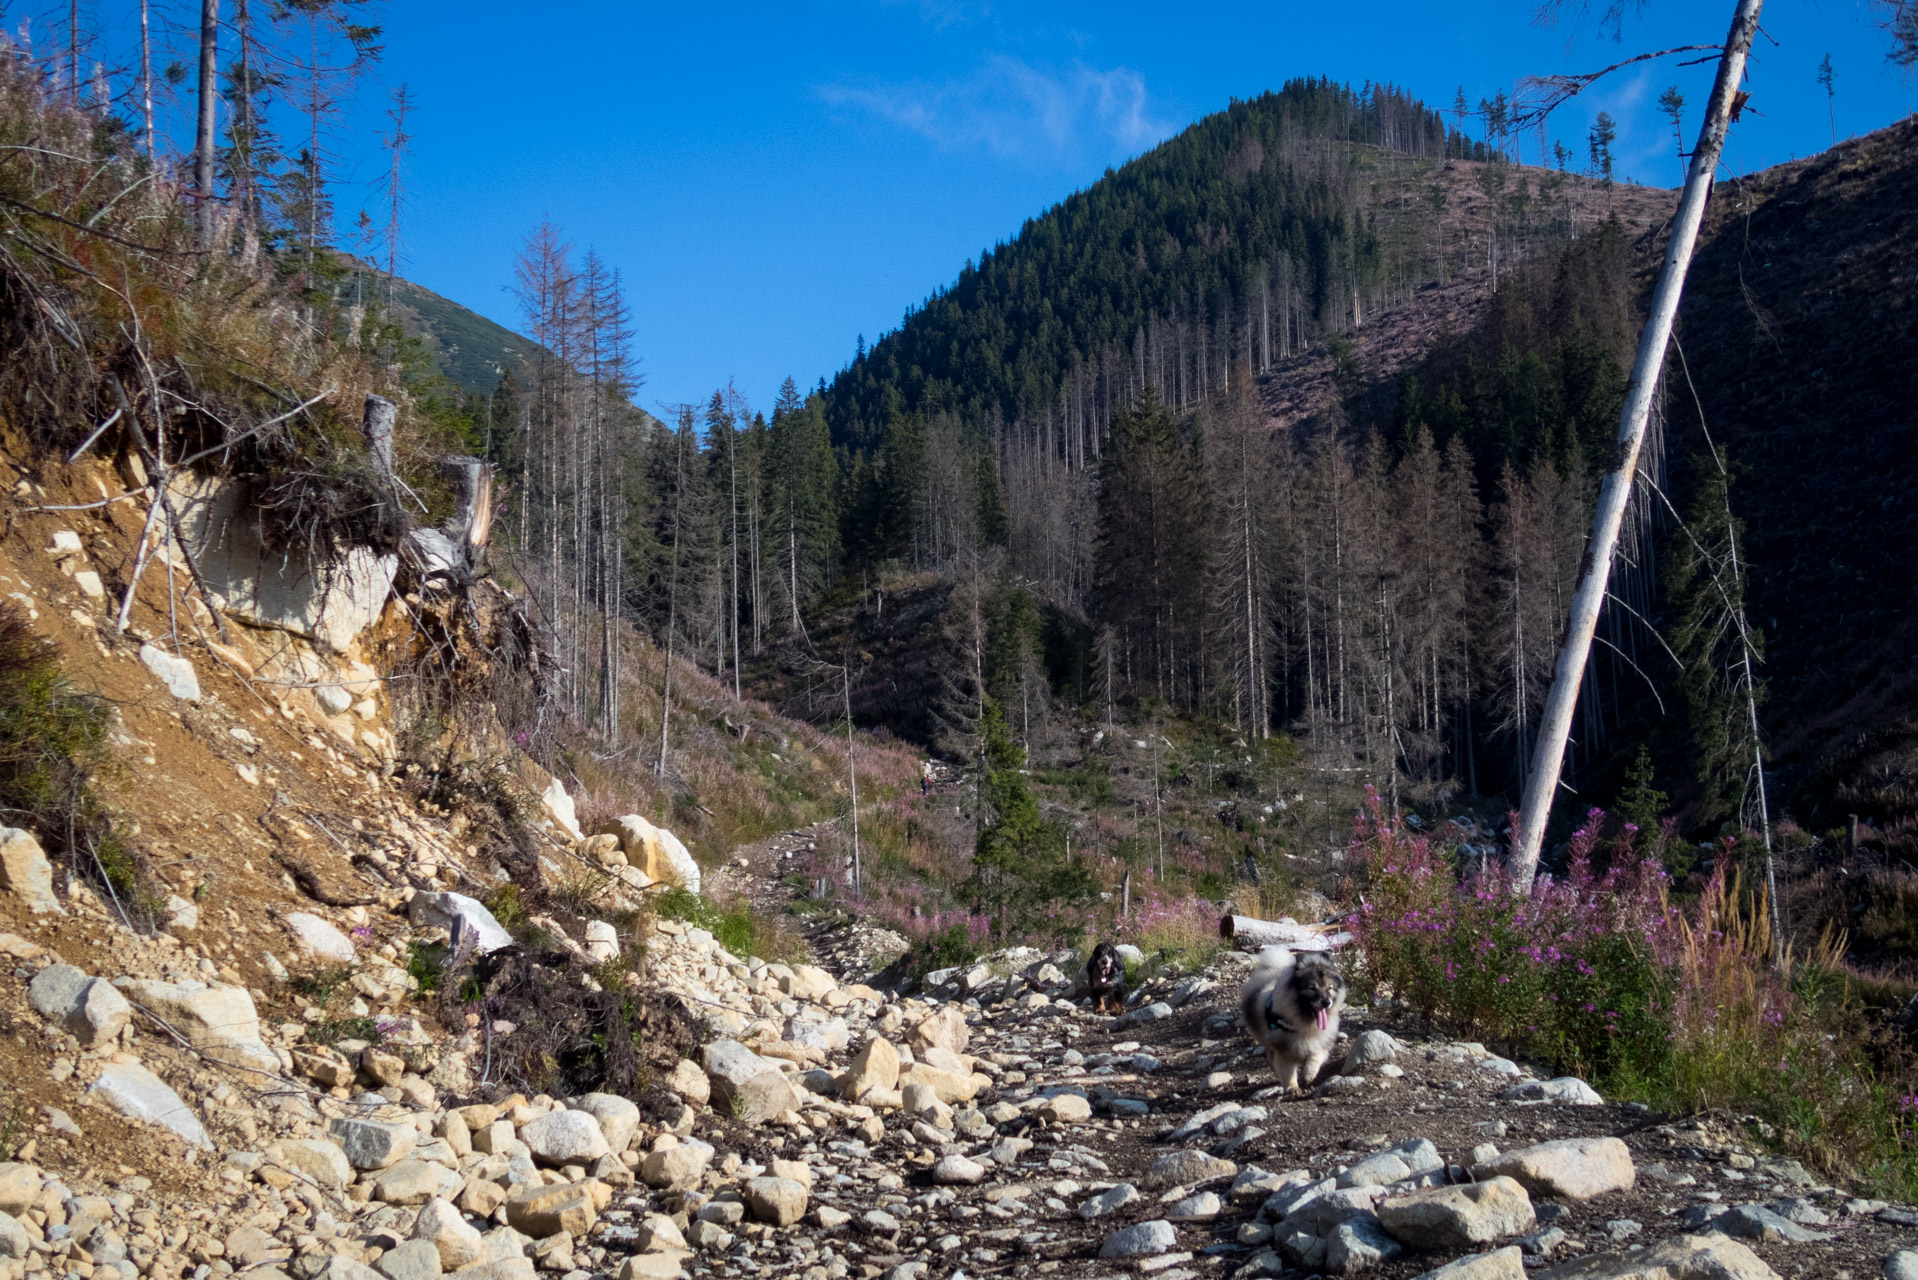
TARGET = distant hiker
x,y
925,778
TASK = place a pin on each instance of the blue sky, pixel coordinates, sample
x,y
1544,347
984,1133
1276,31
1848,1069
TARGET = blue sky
x,y
775,180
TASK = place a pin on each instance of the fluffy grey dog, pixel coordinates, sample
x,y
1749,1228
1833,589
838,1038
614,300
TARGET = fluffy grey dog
x,y
1291,1005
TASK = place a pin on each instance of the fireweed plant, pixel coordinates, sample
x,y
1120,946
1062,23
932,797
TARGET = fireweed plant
x,y
1599,973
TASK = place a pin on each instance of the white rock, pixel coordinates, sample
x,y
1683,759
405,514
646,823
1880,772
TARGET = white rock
x,y
1140,1239
134,1091
371,1144
1106,1201
14,1240
957,1171
618,1118
1569,1090
559,808
440,910
318,937
25,871
219,1021
746,1086
182,917
679,862
602,941
1569,1168
176,674
1902,1265
1500,1264
564,1137
90,1008
445,1227
333,699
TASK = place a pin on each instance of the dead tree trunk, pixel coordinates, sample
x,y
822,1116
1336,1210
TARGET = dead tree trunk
x,y
209,100
1555,726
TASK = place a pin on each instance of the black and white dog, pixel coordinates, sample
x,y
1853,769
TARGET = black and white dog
x,y
1291,1005
1105,978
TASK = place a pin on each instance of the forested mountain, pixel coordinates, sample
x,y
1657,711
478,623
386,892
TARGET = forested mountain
x,y
1235,241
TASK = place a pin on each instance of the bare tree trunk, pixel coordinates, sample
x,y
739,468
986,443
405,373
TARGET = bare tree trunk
x,y
1555,726
209,100
852,774
146,80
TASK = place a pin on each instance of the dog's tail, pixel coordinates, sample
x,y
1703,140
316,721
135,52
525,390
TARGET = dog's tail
x,y
1272,958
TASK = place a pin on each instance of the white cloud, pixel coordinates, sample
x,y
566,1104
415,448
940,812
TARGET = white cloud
x,y
1013,109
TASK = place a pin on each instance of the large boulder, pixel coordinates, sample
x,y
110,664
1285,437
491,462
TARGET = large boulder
x,y
89,1008
779,1202
26,873
746,1086
1569,1168
134,1091
1458,1217
330,601
456,911
220,1021
20,1186
655,852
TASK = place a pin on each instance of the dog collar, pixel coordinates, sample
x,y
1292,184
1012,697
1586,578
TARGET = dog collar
x,y
1273,1022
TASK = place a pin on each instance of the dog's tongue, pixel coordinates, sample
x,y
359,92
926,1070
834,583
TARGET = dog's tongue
x,y
1325,1016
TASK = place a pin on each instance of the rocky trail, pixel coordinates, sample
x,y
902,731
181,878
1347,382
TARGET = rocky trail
x,y
985,1125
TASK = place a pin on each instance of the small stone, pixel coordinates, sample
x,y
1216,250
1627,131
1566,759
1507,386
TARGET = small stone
x,y
957,1171
1140,1240
445,1228
412,1260
319,938
1568,1090
618,1118
541,1211
25,871
1756,1222
676,1168
1359,1243
746,1086
1902,1265
1383,1168
176,674
689,1082
91,1009
1183,1168
1106,1201
1501,1264
315,1158
1068,1108
370,1144
564,1137
777,1201
1369,1049
1202,1207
